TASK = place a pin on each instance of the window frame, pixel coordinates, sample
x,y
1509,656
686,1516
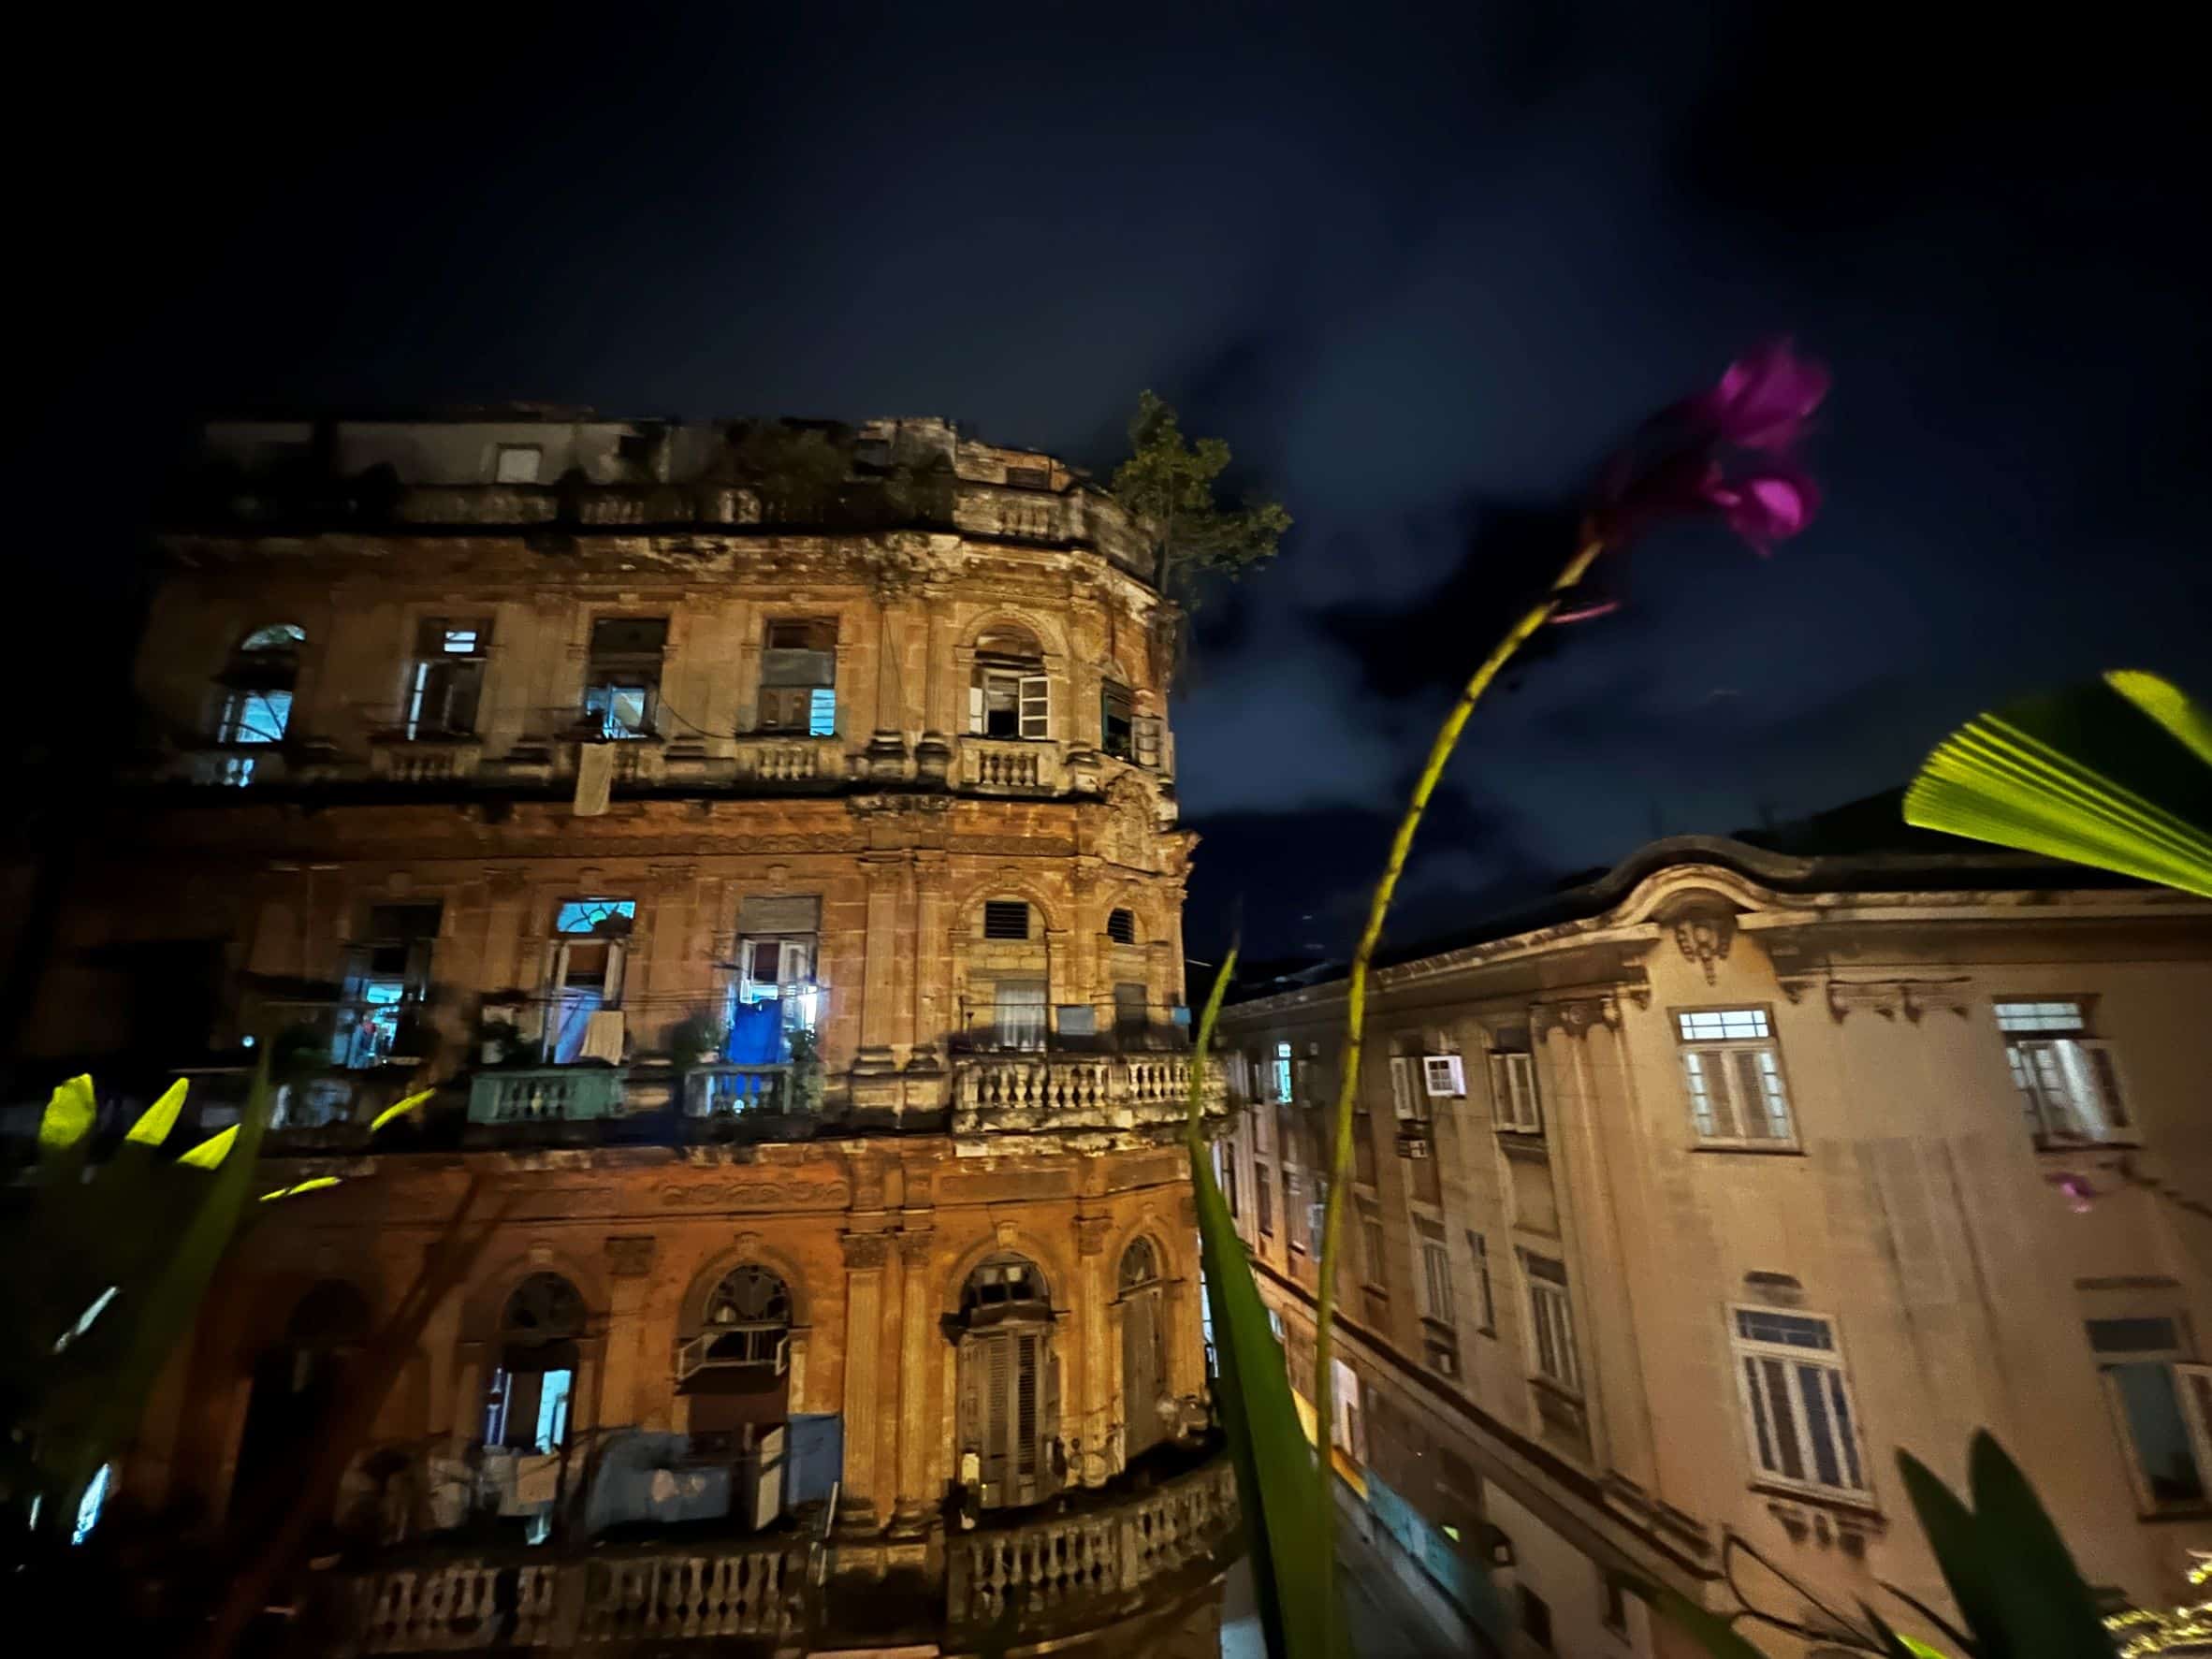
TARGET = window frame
x,y
1515,1107
2052,1126
1478,1251
1698,1095
2192,1382
1439,1297
1558,1331
987,925
1753,1413
500,452
1442,1066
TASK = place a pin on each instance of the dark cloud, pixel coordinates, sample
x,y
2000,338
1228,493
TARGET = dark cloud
x,y
1422,267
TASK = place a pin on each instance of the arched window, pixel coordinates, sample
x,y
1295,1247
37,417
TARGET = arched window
x,y
1140,1264
1010,1383
256,686
1121,926
526,1406
1010,695
1147,1403
735,1371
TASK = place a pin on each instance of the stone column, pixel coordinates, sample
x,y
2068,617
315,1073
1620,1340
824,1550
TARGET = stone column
x,y
930,963
859,1501
933,753
625,1389
875,1063
922,1430
887,742
1093,1383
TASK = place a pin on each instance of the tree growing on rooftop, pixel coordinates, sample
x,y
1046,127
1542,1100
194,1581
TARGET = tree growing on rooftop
x,y
1167,485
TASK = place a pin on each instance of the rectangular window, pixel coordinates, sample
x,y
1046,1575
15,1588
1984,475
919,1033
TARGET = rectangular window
x,y
1486,1307
1799,1414
1296,1211
2162,1404
622,679
517,464
1028,478
1018,1013
1282,1074
1117,718
1372,1261
1364,1148
591,940
1734,1072
1404,1099
1263,1198
2066,1078
1552,1322
799,679
387,976
1008,702
445,682
1436,1303
1513,1094
1133,1011
1441,1075
775,973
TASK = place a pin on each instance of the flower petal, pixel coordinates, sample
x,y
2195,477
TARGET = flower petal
x,y
69,1115
211,1153
158,1119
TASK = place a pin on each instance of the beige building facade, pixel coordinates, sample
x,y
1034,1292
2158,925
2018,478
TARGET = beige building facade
x,y
1677,1214
764,843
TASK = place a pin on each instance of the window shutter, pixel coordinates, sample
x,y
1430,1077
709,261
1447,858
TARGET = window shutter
x,y
1026,1404
1035,705
2111,1112
1401,1087
1749,1088
975,709
1521,1071
613,993
2194,1385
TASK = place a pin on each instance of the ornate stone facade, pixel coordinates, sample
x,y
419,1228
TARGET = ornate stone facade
x,y
787,919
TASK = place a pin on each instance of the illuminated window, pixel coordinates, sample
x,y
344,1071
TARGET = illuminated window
x,y
255,705
623,678
1280,1075
1010,695
2067,1080
527,1404
1798,1406
1733,1070
518,463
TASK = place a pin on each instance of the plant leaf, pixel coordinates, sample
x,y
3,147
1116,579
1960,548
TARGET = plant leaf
x,y
399,1110
69,1115
2107,775
2046,1610
1957,1543
209,1154
316,1185
157,1120
1714,1634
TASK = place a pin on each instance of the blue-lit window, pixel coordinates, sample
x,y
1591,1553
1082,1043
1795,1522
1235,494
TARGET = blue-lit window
x,y
799,679
605,917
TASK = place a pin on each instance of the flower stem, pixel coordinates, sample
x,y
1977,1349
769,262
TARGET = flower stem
x,y
1340,1133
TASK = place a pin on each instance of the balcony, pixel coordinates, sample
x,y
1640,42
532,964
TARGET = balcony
x,y
722,1090
1044,1093
1009,765
546,1094
1039,1577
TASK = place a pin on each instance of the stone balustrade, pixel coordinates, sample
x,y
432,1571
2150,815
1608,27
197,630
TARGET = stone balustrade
x,y
1009,765
546,1094
783,758
1057,1573
1077,1091
1091,1557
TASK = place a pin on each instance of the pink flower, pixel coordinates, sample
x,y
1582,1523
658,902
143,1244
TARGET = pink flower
x,y
2076,1188
1731,451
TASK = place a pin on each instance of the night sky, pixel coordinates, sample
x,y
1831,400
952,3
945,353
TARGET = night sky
x,y
1419,273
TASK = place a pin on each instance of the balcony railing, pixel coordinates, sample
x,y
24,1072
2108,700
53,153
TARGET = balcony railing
x,y
787,757
546,1094
1048,1577
1073,1091
1009,765
716,1090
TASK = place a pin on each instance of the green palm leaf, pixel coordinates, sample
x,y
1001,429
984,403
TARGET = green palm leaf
x,y
1291,1542
2116,774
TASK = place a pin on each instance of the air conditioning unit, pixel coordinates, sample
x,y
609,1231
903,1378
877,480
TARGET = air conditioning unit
x,y
1441,1075
1413,1146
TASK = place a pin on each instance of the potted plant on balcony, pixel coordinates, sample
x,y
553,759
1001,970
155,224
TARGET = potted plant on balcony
x,y
496,1041
806,1075
697,1039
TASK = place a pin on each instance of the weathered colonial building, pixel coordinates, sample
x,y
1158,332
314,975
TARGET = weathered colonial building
x,y
1680,1209
763,841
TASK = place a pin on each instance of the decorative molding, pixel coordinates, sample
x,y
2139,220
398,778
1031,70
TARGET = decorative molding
x,y
1883,996
1575,1015
865,1250
631,1256
1090,1234
915,1244
1915,999
1704,937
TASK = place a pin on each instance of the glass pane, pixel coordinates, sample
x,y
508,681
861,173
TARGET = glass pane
x,y
1758,1411
1718,1023
1812,1386
821,712
1842,1407
2160,1435
1701,1102
1785,1417
1796,1329
2039,1016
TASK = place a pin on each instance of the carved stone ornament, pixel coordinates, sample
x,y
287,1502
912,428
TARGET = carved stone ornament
x,y
1703,936
1090,1234
1915,999
865,1250
630,1257
1575,1015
